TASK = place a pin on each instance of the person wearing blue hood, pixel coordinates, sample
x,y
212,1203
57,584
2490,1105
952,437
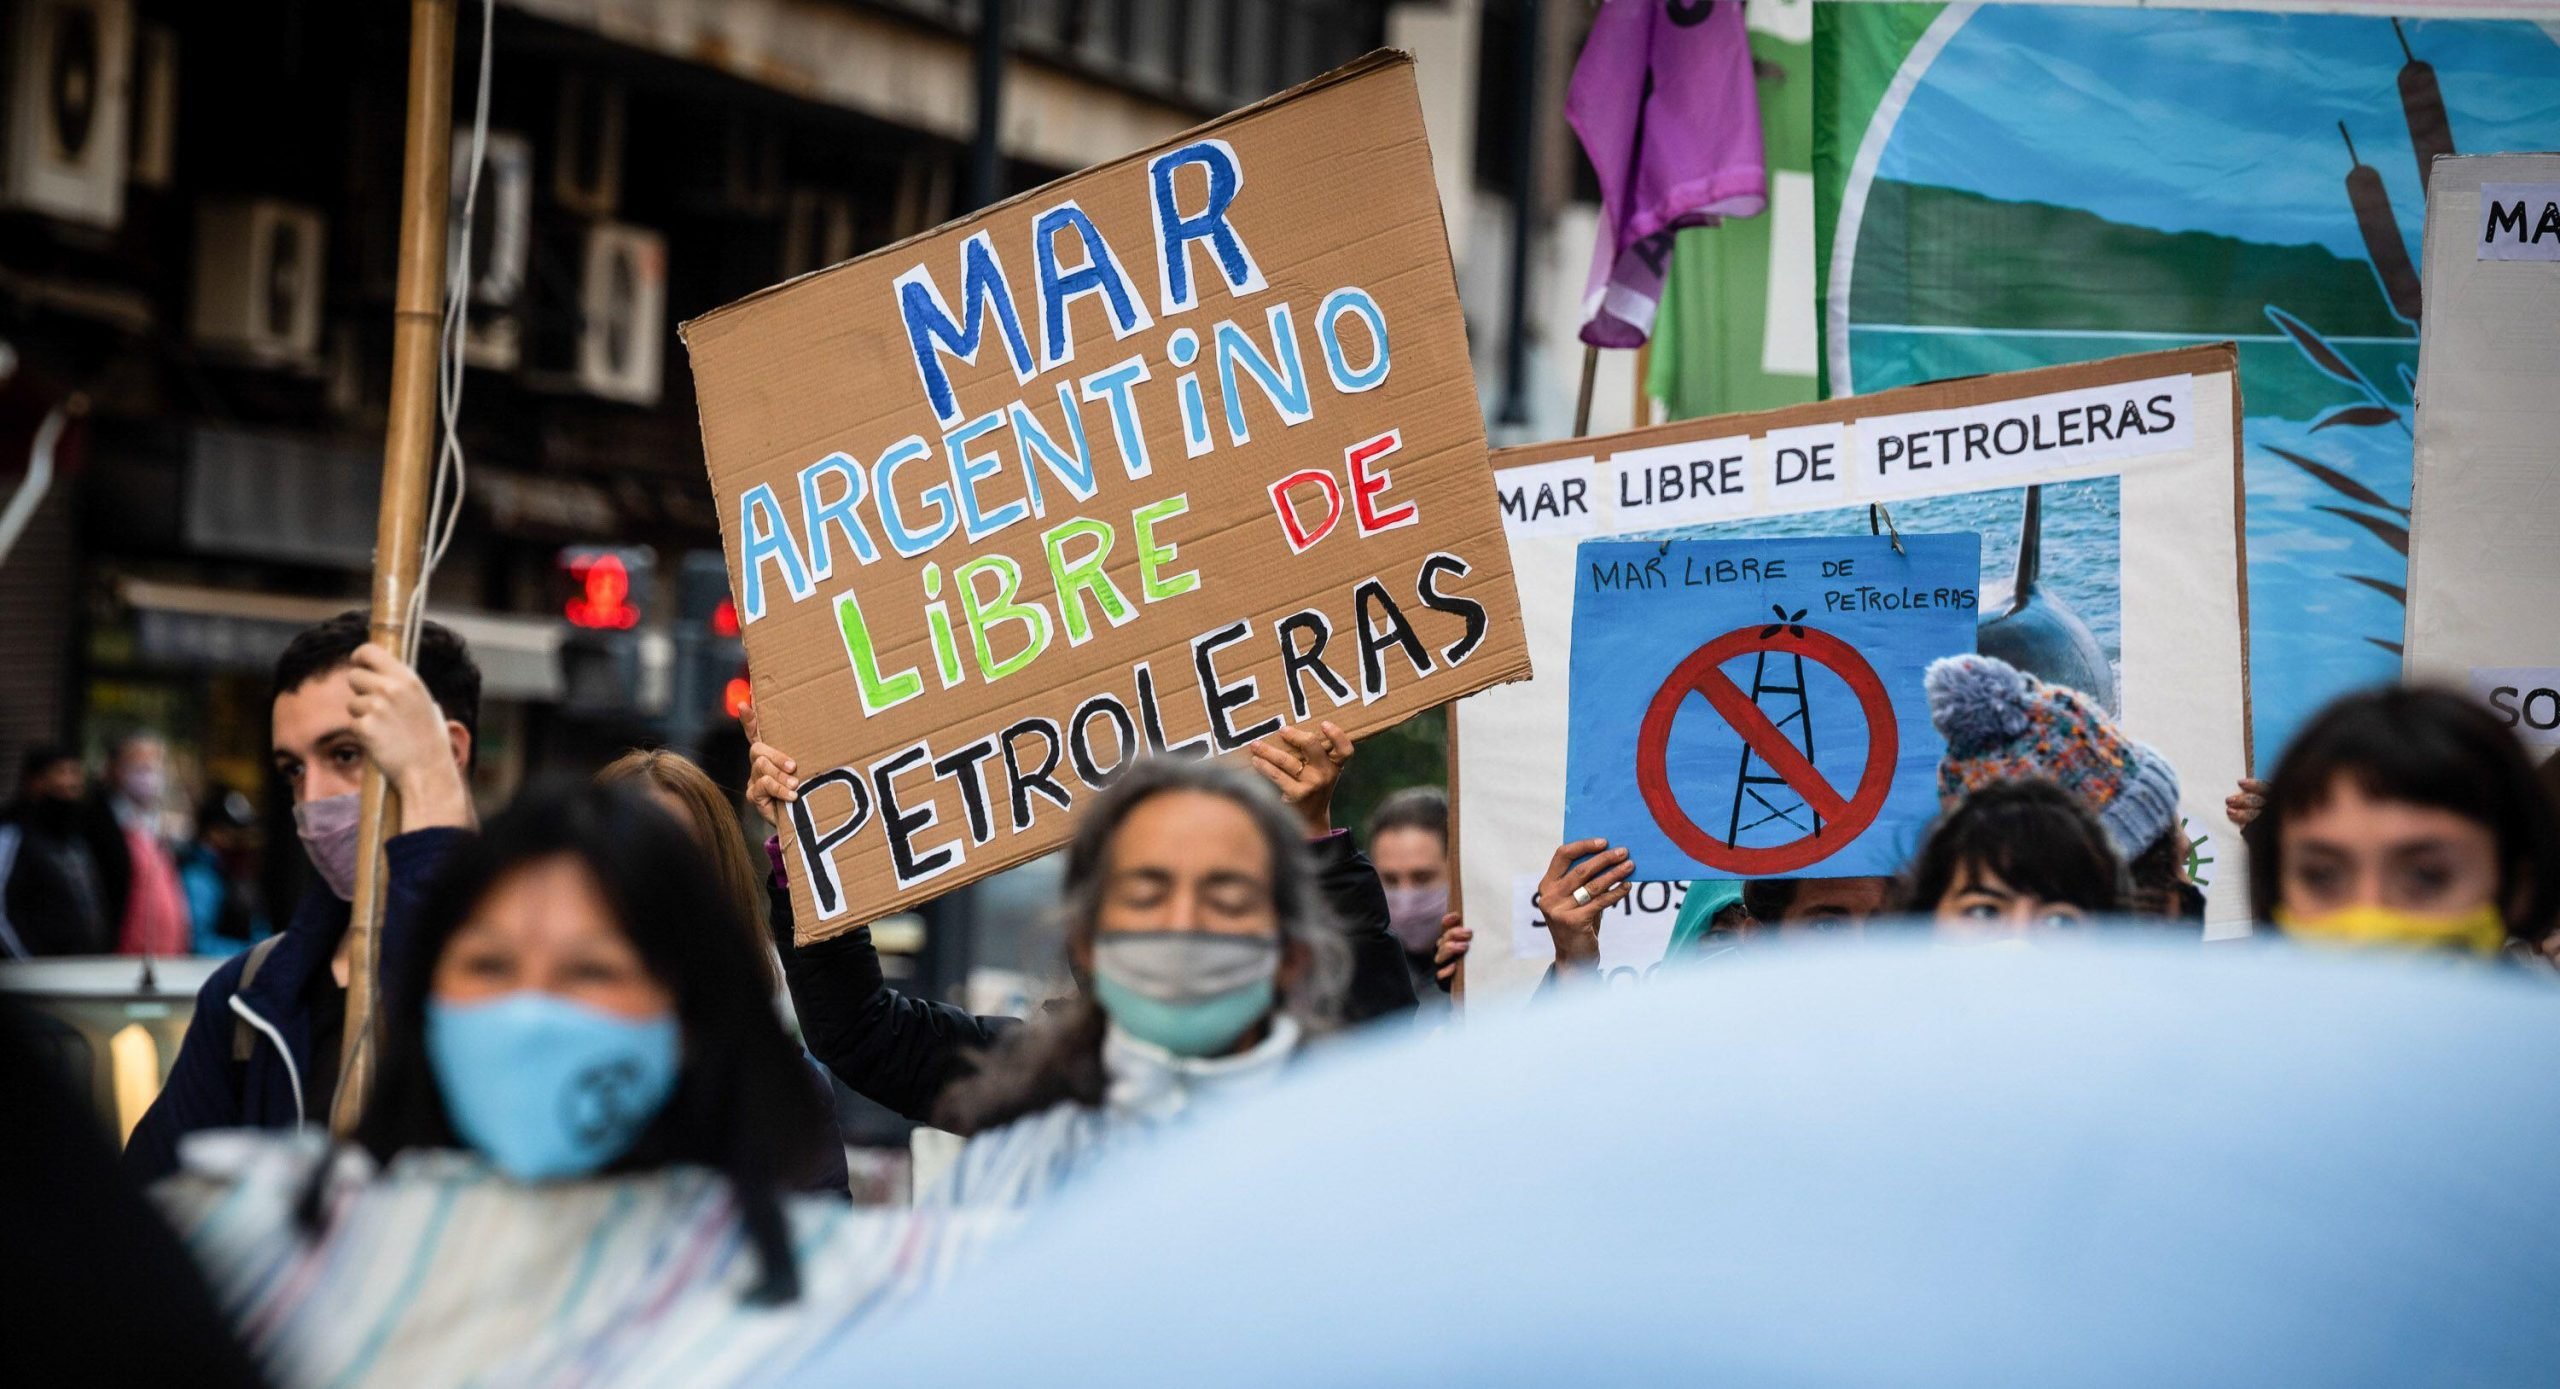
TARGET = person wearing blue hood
x,y
262,1049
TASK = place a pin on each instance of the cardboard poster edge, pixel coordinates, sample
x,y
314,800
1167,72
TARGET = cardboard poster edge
x,y
2240,553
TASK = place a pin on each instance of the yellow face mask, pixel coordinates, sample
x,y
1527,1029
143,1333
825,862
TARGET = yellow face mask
x,y
2479,930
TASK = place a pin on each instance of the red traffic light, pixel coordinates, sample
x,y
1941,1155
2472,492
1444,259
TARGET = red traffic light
x,y
601,600
724,618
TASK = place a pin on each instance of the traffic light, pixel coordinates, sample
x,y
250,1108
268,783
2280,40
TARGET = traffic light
x,y
710,661
604,586
600,594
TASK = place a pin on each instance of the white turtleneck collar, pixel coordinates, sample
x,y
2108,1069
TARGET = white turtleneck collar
x,y
1148,1082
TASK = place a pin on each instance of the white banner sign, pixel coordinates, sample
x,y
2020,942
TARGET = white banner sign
x,y
2482,563
2164,424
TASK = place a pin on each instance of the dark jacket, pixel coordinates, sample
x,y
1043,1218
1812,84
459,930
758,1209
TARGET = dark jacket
x,y
889,1048
900,1051
1380,983
207,1088
114,857
51,900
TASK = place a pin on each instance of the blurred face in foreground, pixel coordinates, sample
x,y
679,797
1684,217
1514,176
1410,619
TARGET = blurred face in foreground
x,y
2362,870
553,1045
546,928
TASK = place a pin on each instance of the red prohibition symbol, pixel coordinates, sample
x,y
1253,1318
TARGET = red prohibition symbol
x,y
1701,672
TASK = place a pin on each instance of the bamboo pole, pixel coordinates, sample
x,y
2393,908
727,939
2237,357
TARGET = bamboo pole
x,y
1643,405
400,530
1582,405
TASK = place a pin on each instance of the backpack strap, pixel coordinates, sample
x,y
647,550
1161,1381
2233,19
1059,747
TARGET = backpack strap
x,y
244,1038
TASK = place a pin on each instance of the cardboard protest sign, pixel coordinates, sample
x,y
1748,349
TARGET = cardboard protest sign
x,y
2482,565
1152,460
1753,708
2108,498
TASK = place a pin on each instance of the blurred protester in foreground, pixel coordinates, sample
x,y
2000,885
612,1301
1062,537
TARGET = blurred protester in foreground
x,y
2013,859
1203,958
677,786
262,1048
2002,724
139,873
96,1288
573,1162
2281,1171
2411,818
902,1052
1408,836
51,900
218,871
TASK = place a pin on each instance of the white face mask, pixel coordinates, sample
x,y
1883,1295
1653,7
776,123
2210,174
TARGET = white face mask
x,y
328,831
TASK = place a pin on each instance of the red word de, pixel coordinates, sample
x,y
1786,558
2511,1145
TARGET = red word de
x,y
1366,488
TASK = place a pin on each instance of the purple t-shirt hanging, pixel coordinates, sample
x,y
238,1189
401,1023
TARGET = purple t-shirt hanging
x,y
1665,105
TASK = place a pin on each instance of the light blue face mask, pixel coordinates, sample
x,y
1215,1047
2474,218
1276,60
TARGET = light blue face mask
x,y
1192,993
547,1088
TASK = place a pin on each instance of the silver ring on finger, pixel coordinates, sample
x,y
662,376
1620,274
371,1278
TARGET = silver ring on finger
x,y
1582,897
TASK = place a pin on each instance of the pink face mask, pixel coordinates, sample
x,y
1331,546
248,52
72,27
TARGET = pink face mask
x,y
1414,913
328,831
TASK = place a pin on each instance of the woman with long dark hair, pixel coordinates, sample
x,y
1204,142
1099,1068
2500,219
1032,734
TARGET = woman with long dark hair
x,y
585,1120
1203,957
678,786
2407,817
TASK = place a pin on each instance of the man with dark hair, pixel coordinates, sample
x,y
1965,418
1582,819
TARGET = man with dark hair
x,y
51,901
262,1050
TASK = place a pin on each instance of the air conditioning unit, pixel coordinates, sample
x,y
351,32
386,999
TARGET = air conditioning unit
x,y
731,164
153,159
501,229
586,151
493,340
599,312
623,314
817,231
68,65
258,280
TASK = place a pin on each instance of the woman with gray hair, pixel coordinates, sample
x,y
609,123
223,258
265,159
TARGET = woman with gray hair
x,y
1203,956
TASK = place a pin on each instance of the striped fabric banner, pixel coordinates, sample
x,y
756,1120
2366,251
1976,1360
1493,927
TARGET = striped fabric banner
x,y
441,1272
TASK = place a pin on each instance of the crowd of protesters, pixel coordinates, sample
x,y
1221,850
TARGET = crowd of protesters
x,y
586,1055
93,870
